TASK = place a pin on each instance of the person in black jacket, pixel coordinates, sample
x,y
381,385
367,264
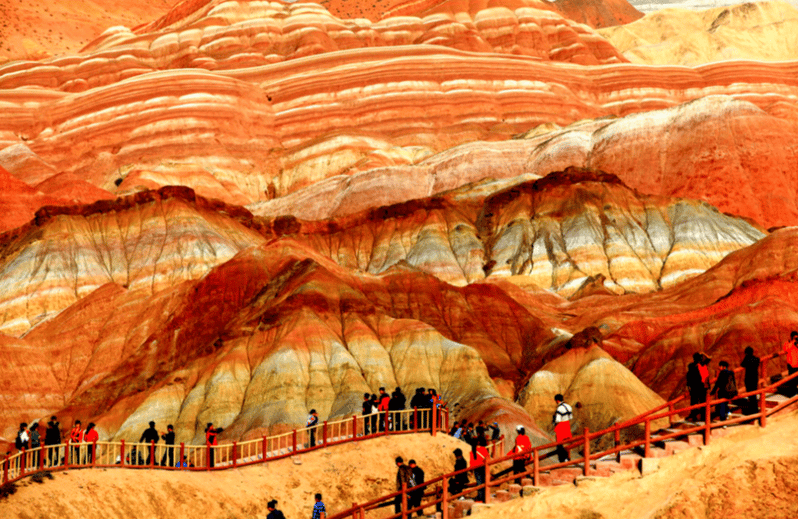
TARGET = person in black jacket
x,y
458,482
169,440
698,392
367,407
751,365
725,387
420,401
52,437
416,495
273,512
148,436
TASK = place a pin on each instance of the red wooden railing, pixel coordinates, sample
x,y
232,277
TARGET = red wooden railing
x,y
121,454
438,488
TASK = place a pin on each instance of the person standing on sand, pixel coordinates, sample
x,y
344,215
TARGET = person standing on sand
x,y
562,426
313,421
751,365
273,512
319,511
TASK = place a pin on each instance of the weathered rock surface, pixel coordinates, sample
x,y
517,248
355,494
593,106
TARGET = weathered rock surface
x,y
761,31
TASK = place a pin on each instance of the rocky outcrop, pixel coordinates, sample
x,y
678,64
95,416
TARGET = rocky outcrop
x,y
760,31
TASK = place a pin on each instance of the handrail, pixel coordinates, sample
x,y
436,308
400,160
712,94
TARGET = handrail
x,y
442,492
122,454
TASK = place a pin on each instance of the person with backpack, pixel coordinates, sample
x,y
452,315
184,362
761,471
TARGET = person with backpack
x,y
150,436
313,421
725,387
52,437
562,426
695,385
750,364
404,475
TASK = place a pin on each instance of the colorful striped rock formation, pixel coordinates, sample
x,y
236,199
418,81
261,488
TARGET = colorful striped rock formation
x,y
245,209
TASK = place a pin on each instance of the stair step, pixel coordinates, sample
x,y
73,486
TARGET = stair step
x,y
630,461
672,447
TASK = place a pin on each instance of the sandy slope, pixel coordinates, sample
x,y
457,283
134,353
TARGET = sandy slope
x,y
344,474
752,473
766,31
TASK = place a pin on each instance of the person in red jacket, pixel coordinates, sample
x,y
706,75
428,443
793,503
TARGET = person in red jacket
x,y
75,437
90,436
521,450
791,356
210,441
479,455
384,405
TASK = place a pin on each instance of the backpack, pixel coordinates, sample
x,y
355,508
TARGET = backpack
x,y
731,386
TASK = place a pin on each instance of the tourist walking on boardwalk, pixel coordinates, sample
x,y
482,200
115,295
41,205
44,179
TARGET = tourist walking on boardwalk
x,y
479,454
75,437
562,426
396,404
22,439
751,365
169,439
383,406
35,443
90,437
319,511
401,405
419,401
52,437
367,408
725,387
150,436
791,357
210,442
416,495
459,481
273,512
522,448
404,475
375,404
695,385
495,432
313,421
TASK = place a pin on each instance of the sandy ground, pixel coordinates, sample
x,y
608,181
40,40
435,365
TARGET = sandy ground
x,y
344,475
752,473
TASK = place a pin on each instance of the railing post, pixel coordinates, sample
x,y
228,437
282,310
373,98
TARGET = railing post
x,y
670,415
487,482
22,462
5,469
67,454
41,457
235,461
354,510
587,451
354,426
182,455
445,498
707,423
324,433
415,418
536,467
122,454
93,448
152,453
434,422
763,410
647,453
617,443
294,440
208,457
447,421
263,448
386,421
404,500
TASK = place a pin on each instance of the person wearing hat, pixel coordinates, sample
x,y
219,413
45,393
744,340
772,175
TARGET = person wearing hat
x,y
495,433
522,449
